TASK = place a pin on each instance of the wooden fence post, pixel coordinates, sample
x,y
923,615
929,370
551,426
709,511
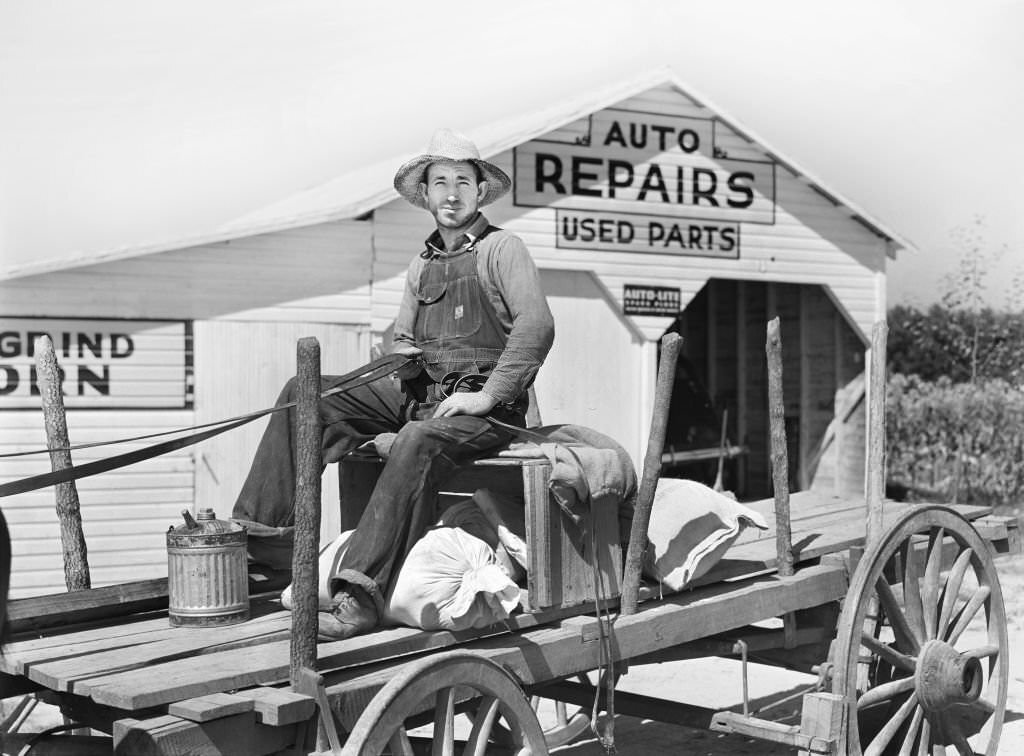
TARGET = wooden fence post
x,y
780,458
308,468
875,482
670,346
69,512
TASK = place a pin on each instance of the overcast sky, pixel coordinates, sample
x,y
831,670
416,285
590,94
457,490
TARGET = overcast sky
x,y
127,122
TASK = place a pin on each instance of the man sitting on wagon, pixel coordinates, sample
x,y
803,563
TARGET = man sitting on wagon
x,y
476,327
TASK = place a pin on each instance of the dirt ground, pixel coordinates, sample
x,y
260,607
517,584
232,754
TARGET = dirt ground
x,y
716,683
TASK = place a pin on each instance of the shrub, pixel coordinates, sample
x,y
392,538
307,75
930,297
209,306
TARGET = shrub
x,y
958,442
961,345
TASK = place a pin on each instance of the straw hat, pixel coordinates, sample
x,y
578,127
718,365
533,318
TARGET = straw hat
x,y
452,146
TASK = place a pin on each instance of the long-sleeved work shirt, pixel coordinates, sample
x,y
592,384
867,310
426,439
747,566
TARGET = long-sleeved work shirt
x,y
512,284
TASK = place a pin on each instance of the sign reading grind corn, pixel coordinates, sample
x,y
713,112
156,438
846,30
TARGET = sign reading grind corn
x,y
105,364
642,182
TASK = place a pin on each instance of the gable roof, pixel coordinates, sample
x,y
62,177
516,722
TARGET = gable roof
x,y
363,189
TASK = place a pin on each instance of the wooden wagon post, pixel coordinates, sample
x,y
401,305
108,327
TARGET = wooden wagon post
x,y
308,468
670,346
780,459
875,475
69,512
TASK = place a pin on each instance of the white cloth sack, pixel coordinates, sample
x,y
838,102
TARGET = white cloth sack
x,y
330,555
451,580
691,528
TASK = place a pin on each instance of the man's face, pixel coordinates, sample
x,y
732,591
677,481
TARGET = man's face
x,y
452,194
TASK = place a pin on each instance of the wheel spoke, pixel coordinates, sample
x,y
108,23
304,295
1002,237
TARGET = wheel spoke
x,y
924,743
930,590
906,638
885,692
912,589
907,749
561,713
955,734
969,718
983,652
967,613
887,733
951,591
887,652
483,723
444,723
400,744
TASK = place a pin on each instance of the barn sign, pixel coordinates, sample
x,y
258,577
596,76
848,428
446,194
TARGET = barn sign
x,y
106,364
643,182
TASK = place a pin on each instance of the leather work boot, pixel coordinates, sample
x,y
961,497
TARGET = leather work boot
x,y
351,615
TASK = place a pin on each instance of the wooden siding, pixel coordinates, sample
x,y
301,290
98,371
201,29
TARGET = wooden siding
x,y
592,376
240,368
308,281
125,512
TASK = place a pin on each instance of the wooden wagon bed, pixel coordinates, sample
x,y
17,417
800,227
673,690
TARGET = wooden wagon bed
x,y
157,687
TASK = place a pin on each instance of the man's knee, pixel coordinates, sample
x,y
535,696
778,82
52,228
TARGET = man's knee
x,y
413,437
288,391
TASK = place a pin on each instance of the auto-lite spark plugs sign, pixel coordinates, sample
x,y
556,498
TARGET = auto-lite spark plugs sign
x,y
105,364
641,182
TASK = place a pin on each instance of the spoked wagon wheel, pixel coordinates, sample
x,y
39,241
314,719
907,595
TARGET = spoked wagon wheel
x,y
442,681
921,651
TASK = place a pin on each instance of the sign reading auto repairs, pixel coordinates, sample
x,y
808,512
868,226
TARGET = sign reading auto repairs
x,y
642,182
105,364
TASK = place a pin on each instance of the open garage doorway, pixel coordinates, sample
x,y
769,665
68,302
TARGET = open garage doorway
x,y
722,379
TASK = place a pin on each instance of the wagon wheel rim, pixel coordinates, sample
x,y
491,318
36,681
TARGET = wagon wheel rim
x,y
441,682
925,670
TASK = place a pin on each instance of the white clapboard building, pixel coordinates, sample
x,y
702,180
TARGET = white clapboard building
x,y
646,211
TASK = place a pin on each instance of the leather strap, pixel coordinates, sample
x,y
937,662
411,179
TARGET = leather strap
x,y
358,377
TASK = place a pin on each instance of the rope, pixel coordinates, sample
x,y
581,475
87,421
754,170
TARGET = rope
x,y
606,666
359,377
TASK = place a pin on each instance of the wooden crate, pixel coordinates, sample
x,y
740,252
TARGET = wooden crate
x,y
561,569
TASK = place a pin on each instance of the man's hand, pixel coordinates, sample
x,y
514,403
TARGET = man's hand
x,y
478,403
410,369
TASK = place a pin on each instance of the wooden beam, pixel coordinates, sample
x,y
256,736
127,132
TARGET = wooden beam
x,y
670,347
167,735
277,707
209,707
742,380
69,512
59,609
806,397
696,455
875,482
780,463
630,704
308,469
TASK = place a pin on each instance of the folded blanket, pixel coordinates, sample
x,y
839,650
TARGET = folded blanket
x,y
588,468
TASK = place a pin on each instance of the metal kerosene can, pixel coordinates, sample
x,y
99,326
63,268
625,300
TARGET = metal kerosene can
x,y
207,572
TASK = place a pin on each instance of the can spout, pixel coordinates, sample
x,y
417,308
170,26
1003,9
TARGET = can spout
x,y
190,521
